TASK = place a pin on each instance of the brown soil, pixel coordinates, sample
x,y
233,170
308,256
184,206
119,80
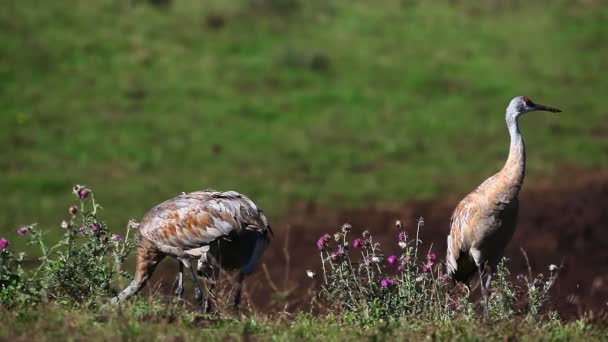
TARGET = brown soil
x,y
563,220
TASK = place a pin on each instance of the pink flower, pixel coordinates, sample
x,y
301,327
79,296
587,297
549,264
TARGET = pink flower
x,y
81,230
340,252
431,257
453,304
443,279
116,237
400,268
427,267
357,243
22,231
322,242
81,191
84,193
3,243
391,260
94,228
385,282
402,236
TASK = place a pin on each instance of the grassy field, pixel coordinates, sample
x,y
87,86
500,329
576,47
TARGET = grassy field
x,y
145,322
339,103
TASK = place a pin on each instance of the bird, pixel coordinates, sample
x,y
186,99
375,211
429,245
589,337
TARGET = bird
x,y
483,223
205,231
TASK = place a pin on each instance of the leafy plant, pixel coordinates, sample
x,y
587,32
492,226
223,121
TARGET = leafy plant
x,y
366,285
79,269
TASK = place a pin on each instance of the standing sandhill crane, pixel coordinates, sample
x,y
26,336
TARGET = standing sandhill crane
x,y
204,230
484,221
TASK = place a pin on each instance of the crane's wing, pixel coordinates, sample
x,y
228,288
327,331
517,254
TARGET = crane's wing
x,y
459,264
195,219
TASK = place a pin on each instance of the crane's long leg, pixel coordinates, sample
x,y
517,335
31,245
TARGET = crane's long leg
x,y
237,292
489,271
179,290
198,292
147,259
484,292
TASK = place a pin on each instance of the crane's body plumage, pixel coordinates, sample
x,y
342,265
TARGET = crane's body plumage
x,y
203,230
192,220
483,223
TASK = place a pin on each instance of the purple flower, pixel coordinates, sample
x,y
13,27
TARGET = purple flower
x,y
22,231
73,210
453,304
116,237
391,260
431,257
385,283
94,228
400,268
322,242
3,243
84,193
357,243
427,267
443,279
340,252
402,236
406,260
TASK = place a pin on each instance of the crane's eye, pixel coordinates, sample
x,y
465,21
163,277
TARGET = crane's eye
x,y
527,101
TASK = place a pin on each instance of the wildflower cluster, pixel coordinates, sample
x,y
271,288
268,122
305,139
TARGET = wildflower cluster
x,y
362,282
79,269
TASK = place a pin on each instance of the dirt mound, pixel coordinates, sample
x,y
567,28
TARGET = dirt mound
x,y
561,222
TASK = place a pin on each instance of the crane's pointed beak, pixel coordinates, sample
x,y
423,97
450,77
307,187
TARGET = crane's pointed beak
x,y
546,108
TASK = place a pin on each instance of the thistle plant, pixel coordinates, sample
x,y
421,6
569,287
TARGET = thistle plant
x,y
365,284
362,282
79,269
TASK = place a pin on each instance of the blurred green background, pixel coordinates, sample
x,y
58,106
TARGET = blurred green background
x,y
337,102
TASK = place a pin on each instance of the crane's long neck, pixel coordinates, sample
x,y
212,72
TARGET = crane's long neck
x,y
515,167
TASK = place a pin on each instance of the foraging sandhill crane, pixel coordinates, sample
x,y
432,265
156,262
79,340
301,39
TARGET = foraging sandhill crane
x,y
484,221
204,230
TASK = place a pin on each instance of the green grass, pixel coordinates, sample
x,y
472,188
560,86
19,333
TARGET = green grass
x,y
339,103
141,322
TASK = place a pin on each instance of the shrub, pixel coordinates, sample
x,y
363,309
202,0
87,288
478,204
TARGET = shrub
x,y
79,269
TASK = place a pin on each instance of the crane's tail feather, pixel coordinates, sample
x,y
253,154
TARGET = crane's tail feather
x,y
261,243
